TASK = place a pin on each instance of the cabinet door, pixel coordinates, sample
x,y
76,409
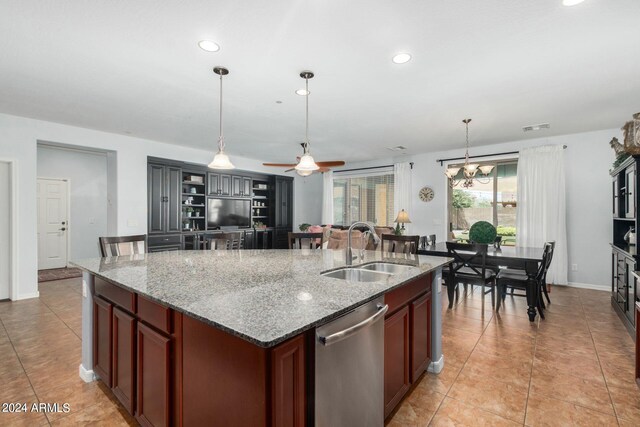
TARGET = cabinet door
x,y
288,383
155,198
615,188
153,382
102,339
631,286
246,186
249,240
236,187
420,335
213,181
630,192
284,202
396,358
225,185
173,199
124,358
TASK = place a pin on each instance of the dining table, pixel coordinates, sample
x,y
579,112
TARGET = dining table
x,y
515,257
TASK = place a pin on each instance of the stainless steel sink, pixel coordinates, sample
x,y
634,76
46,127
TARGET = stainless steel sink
x,y
357,275
386,267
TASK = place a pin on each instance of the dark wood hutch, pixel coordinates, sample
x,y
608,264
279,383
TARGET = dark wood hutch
x,y
624,286
177,204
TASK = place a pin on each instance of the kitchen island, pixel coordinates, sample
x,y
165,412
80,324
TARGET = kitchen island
x,y
229,337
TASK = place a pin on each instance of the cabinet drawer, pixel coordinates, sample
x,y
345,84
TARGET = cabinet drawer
x,y
165,240
154,314
406,293
116,294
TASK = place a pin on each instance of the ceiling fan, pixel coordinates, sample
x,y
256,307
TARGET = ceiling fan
x,y
323,166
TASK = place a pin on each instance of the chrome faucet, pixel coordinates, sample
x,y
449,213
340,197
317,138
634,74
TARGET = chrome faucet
x,y
372,230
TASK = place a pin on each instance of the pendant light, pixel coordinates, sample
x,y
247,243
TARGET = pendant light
x,y
306,165
469,170
221,160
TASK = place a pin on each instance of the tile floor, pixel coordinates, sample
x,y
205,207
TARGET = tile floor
x,y
575,368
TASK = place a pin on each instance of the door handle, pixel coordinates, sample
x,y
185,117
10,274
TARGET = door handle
x,y
62,229
345,333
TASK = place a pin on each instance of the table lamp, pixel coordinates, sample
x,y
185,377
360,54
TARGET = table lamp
x,y
402,218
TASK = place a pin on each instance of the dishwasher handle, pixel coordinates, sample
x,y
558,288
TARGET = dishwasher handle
x,y
345,333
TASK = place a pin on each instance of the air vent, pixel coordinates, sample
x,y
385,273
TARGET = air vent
x,y
397,148
536,127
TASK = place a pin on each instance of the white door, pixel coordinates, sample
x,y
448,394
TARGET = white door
x,y
53,223
5,230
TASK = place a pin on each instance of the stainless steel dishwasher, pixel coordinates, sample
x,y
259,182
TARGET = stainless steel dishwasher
x,y
349,380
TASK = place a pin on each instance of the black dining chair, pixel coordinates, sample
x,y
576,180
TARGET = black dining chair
x,y
469,267
518,279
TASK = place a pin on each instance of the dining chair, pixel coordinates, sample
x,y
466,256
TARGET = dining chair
x,y
306,240
399,244
230,240
518,279
432,239
469,267
123,245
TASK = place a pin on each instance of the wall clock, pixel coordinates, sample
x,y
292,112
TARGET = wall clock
x,y
426,194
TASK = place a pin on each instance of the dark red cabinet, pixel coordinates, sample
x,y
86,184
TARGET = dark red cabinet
x,y
420,314
124,358
154,373
396,358
102,342
288,383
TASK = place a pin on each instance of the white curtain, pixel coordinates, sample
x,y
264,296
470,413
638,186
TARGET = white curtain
x,y
402,190
327,198
542,205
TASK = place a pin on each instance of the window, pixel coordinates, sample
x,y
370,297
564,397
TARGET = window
x,y
363,198
493,199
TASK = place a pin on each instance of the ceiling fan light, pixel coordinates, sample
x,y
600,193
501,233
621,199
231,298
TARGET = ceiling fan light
x,y
221,161
304,172
307,163
486,169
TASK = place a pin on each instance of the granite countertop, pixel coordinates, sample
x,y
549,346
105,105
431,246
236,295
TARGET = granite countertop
x,y
263,296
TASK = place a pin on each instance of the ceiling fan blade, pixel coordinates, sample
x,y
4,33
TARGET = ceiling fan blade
x,y
330,163
280,165
289,170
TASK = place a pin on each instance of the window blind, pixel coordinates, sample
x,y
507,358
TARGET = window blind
x,y
363,198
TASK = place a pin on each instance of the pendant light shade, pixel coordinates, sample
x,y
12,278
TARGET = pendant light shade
x,y
221,160
306,163
304,172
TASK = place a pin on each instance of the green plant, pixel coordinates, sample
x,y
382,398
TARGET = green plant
x,y
462,199
482,232
259,224
621,158
189,209
397,231
304,227
506,231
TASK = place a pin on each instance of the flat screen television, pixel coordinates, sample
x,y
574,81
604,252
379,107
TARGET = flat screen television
x,y
228,213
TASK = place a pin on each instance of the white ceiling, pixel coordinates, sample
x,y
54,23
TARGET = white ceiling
x,y
123,66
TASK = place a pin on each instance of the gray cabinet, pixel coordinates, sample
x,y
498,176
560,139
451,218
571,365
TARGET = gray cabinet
x,y
283,211
219,184
241,186
164,187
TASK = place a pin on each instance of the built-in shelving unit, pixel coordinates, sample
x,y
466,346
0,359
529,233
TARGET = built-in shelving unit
x,y
194,212
624,286
179,196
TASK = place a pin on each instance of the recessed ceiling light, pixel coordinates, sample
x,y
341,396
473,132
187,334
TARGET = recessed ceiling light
x,y
571,2
303,92
539,126
401,58
209,46
278,102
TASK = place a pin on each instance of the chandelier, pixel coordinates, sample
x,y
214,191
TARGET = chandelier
x,y
469,170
